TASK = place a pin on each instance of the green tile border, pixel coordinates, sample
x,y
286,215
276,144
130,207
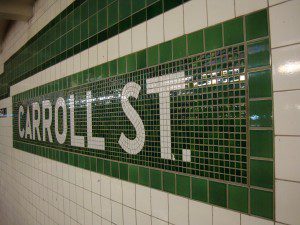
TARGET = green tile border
x,y
77,28
200,188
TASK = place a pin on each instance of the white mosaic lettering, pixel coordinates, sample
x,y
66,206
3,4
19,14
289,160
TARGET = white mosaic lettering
x,y
61,138
76,140
132,89
21,130
93,142
36,120
28,125
47,122
163,85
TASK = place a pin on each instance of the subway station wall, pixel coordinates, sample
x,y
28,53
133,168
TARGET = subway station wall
x,y
152,112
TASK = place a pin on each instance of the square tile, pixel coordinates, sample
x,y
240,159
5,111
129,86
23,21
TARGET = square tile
x,y
195,15
243,7
283,20
178,210
225,217
155,32
173,23
200,213
159,204
219,11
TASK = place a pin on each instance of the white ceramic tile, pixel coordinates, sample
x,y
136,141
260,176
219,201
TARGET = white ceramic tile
x,y
143,202
116,190
251,220
159,204
195,15
106,208
287,201
283,22
286,113
113,48
142,218
87,199
274,2
156,221
129,216
84,61
102,52
243,7
87,183
178,210
287,158
88,217
93,56
96,219
286,68
95,178
128,194
105,186
139,37
173,23
219,11
96,204
200,213
155,31
116,212
125,43
225,217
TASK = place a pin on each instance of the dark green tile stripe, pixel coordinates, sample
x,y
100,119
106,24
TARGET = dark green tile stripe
x,y
81,25
259,191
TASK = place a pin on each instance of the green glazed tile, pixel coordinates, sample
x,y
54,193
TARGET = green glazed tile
x,y
107,170
171,4
154,10
155,179
84,11
261,143
179,47
113,67
93,6
260,84
131,62
238,198
81,161
149,2
133,173
213,37
93,164
152,55
124,9
100,165
102,4
261,173
261,203
195,42
169,182
93,25
141,59
115,169
87,163
144,176
84,29
139,17
165,51
233,31
113,13
102,19
217,193
257,25
138,5
261,113
123,171
122,65
259,54
183,185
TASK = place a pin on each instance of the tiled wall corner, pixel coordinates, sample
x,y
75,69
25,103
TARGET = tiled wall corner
x,y
39,190
286,66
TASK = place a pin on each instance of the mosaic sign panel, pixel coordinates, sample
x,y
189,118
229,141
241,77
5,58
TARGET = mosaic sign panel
x,y
187,116
191,116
